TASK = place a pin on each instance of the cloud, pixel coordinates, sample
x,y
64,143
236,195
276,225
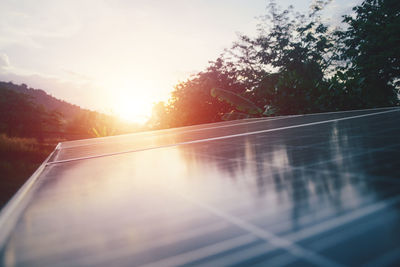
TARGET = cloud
x,y
4,62
26,22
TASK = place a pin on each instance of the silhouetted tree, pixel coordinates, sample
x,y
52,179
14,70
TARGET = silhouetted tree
x,y
371,50
296,52
191,101
297,64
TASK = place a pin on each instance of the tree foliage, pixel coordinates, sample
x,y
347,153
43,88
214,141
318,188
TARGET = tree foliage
x,y
371,50
191,101
297,64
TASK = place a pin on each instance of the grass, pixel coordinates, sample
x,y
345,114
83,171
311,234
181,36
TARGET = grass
x,y
19,158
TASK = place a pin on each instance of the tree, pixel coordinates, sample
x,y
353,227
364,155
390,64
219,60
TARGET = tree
x,y
191,101
160,117
296,51
371,50
283,69
297,64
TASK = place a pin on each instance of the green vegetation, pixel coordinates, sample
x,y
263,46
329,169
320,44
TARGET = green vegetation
x,y
370,46
296,64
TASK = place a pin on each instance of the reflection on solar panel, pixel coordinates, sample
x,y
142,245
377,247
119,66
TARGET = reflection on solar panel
x,y
319,189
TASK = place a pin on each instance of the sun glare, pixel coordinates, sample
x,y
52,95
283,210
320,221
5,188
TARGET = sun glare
x,y
133,109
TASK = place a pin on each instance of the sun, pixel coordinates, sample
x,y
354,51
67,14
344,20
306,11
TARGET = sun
x,y
133,109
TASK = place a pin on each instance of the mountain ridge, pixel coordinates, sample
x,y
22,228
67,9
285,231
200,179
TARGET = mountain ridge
x,y
49,102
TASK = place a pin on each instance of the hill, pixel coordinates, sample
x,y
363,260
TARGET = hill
x,y
29,112
40,97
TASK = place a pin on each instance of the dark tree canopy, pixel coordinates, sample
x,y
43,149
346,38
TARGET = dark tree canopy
x,y
191,101
297,64
372,51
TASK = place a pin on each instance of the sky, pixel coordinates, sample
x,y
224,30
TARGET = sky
x,y
121,56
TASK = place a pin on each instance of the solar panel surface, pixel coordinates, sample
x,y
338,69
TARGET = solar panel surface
x,y
319,189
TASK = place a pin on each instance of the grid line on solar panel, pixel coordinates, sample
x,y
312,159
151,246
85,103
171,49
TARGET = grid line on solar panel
x,y
338,221
204,252
271,238
361,227
225,136
239,257
201,127
164,132
158,241
329,225
214,125
149,140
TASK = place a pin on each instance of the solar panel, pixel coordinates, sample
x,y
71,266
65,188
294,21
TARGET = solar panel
x,y
319,189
